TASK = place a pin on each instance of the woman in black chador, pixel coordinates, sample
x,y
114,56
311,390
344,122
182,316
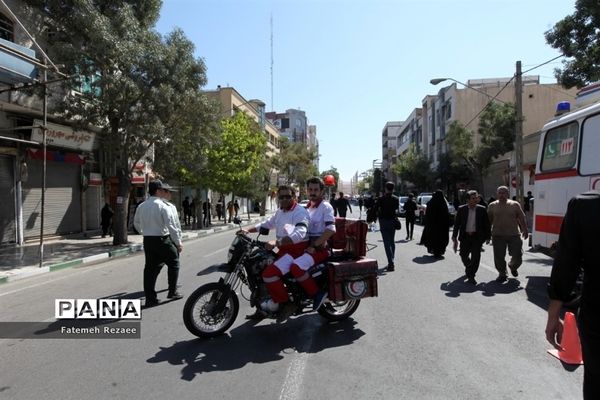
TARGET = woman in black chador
x,y
435,234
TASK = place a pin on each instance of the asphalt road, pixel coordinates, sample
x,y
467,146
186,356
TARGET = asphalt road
x,y
429,335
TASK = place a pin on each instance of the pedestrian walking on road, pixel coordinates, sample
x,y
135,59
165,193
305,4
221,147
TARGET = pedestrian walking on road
x,y
157,220
472,229
578,249
361,203
343,205
106,215
410,207
387,207
435,233
508,225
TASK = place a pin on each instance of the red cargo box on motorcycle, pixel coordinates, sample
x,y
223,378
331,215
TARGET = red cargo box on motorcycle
x,y
350,238
353,279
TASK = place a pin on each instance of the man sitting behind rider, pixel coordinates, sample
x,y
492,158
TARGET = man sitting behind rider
x,y
320,229
290,222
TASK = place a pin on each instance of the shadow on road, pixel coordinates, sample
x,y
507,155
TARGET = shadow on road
x,y
427,259
249,343
537,291
488,289
541,261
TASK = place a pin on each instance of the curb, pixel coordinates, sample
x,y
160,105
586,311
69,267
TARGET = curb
x,y
125,251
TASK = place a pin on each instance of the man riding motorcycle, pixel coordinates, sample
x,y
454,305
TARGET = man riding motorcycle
x,y
320,229
290,222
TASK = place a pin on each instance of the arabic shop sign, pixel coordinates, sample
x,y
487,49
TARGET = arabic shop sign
x,y
63,136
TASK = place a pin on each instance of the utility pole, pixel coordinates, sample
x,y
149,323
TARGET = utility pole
x,y
519,132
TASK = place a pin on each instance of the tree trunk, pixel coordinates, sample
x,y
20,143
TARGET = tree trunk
x,y
121,208
263,207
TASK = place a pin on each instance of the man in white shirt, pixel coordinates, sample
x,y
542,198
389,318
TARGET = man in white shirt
x,y
291,225
320,229
157,220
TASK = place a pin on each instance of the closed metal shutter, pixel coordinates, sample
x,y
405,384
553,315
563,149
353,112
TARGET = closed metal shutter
x,y
63,200
8,226
92,207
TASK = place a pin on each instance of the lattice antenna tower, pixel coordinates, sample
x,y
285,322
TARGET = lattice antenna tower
x,y
272,104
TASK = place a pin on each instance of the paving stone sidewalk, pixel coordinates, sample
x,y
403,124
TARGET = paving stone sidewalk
x,y
18,262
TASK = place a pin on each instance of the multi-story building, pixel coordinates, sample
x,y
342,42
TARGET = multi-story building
x,y
73,185
292,124
313,142
232,101
389,138
452,103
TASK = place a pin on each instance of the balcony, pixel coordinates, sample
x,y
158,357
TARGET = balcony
x,y
16,63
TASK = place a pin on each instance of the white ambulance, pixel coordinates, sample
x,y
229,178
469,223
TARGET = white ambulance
x,y
568,163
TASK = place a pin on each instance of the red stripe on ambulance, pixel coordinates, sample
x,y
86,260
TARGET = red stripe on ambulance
x,y
548,223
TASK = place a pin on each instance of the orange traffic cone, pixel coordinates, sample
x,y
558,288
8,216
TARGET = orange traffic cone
x,y
571,346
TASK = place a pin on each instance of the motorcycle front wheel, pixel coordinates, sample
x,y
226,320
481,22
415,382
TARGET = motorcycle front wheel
x,y
207,313
338,310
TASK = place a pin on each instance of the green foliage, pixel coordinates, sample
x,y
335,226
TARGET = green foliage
x,y
148,90
237,157
184,157
146,87
460,144
296,163
577,36
414,167
366,183
497,133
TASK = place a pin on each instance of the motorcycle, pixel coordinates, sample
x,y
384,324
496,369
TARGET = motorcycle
x,y
212,308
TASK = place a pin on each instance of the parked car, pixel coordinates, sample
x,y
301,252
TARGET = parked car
x,y
422,201
304,202
401,210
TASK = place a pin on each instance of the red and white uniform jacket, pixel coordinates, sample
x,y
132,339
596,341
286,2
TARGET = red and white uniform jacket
x,y
321,219
292,223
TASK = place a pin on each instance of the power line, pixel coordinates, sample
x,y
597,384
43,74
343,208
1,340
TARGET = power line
x,y
490,102
544,63
509,81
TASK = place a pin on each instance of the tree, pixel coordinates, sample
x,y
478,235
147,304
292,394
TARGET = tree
x,y
143,87
238,155
414,167
366,183
497,133
184,157
451,172
577,37
296,162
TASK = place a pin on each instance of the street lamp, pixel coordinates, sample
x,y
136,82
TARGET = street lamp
x,y
436,81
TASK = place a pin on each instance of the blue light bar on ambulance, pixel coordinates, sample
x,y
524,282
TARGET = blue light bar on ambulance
x,y
563,107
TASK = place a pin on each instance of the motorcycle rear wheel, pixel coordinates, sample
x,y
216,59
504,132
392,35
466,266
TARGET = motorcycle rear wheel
x,y
200,316
338,310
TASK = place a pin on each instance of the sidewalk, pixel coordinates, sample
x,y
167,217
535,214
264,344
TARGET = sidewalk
x,y
18,262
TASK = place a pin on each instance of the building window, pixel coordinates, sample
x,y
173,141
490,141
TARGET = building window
x,y
6,29
448,111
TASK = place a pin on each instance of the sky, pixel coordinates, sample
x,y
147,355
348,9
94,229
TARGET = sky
x,y
353,65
